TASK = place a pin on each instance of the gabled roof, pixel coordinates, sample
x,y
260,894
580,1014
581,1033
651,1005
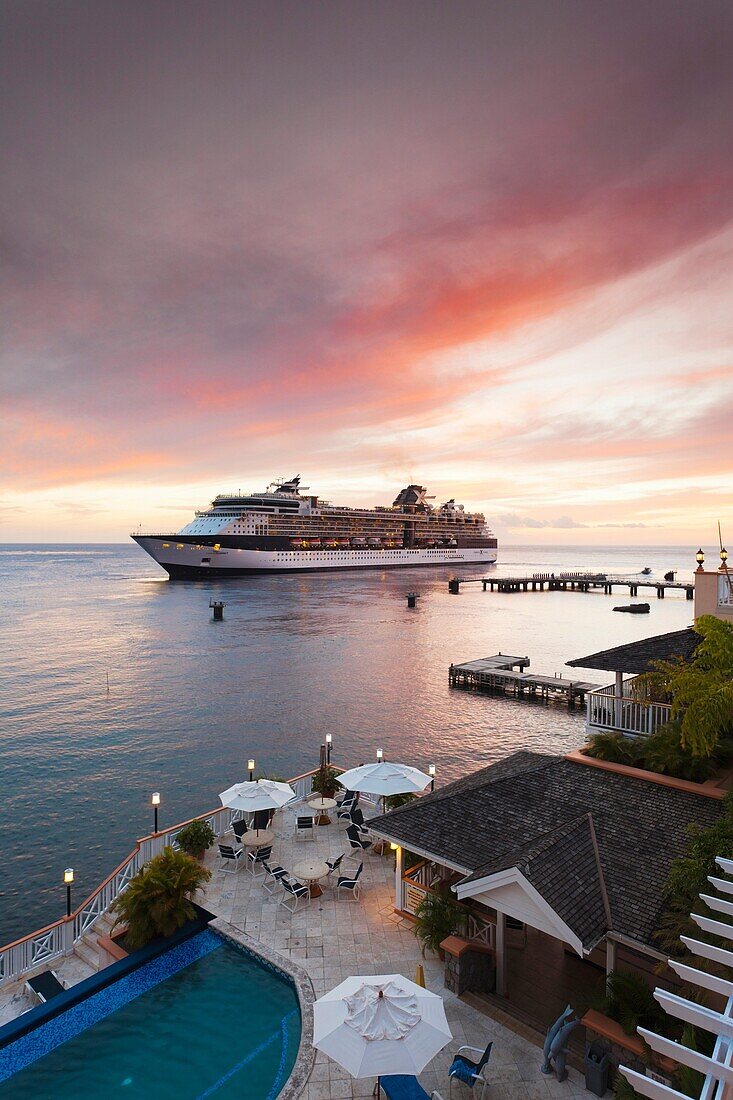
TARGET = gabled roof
x,y
541,813
564,867
639,656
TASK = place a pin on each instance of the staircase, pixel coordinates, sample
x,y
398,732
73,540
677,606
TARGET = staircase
x,y
87,948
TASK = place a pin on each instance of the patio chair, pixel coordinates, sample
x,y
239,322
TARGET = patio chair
x,y
350,883
239,828
357,839
231,855
345,806
304,825
334,863
294,893
45,986
256,857
400,1086
468,1071
273,877
261,819
357,816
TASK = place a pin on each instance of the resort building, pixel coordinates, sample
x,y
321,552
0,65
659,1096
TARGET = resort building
x,y
560,865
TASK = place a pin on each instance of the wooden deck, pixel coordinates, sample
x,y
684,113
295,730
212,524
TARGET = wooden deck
x,y
497,674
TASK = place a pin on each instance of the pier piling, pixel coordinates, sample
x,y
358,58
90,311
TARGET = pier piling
x,y
217,607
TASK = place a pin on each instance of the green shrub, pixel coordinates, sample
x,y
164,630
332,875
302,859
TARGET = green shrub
x,y
195,838
157,900
688,877
631,1003
615,748
436,918
325,781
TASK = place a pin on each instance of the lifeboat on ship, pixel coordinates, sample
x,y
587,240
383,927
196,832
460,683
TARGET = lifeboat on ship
x,y
358,544
375,544
332,544
315,544
297,544
344,544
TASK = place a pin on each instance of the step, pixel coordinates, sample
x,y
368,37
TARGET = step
x,y
87,952
104,925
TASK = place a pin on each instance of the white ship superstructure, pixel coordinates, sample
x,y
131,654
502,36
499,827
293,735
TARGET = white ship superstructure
x,y
285,529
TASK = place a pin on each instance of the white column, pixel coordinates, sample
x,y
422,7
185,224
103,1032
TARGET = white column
x,y
500,951
68,936
398,863
610,957
618,705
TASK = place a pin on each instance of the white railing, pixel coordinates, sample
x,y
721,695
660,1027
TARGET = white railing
x,y
58,939
725,591
607,711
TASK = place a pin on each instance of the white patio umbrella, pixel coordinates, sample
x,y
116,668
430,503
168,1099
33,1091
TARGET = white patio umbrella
x,y
379,1025
261,794
384,778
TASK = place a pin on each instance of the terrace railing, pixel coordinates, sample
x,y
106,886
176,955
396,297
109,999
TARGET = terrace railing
x,y
606,711
58,939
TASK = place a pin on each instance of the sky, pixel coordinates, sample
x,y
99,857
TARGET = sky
x,y
484,246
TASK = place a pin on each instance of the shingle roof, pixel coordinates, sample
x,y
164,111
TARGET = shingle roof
x,y
639,656
536,812
564,867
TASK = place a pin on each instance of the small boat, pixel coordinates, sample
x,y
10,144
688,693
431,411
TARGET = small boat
x,y
634,608
646,571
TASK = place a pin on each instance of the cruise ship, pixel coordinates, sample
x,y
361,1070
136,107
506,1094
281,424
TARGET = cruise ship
x,y
287,530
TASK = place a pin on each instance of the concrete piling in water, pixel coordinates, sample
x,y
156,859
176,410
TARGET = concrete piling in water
x,y
217,607
412,598
454,586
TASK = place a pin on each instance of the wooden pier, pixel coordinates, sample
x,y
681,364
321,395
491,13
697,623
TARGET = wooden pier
x,y
498,673
571,582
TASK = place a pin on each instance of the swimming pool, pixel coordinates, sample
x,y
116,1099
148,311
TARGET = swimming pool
x,y
205,1019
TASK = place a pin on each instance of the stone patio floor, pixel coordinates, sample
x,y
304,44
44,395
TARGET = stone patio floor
x,y
335,937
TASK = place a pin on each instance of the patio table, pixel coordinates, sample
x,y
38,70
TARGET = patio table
x,y
258,838
321,807
309,872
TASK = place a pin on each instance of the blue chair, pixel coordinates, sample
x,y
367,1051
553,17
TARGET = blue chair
x,y
399,1086
466,1070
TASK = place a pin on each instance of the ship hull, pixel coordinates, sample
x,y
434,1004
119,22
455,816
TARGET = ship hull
x,y
184,561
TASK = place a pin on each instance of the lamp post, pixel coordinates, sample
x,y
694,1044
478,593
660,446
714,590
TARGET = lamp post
x,y
155,802
68,879
700,558
431,773
380,756
329,742
251,769
723,557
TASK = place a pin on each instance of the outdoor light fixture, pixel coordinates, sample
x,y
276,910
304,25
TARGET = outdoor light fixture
x,y
723,555
329,742
155,802
394,846
251,770
700,558
68,879
380,754
431,773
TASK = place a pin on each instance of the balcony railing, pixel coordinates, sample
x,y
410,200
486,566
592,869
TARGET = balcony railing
x,y
623,714
58,939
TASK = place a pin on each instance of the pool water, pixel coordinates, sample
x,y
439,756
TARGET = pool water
x,y
203,1020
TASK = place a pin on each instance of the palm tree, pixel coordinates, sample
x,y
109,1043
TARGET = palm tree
x,y
157,900
700,690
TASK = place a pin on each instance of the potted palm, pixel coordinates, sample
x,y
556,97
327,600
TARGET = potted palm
x,y
325,781
195,838
436,918
158,900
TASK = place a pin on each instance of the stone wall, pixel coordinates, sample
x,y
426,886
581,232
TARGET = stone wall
x,y
468,968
